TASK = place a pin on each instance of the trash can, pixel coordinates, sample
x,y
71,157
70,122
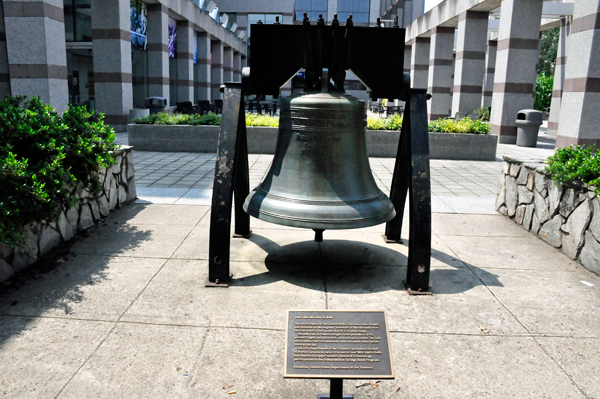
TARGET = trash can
x,y
155,104
528,125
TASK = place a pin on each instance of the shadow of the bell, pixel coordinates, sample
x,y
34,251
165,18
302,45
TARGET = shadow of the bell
x,y
358,267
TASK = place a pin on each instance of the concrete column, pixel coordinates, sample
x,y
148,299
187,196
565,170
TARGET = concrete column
x,y
37,56
516,60
227,64
237,67
470,61
488,81
185,61
216,70
111,41
158,51
419,63
579,116
440,73
407,57
559,77
203,70
4,76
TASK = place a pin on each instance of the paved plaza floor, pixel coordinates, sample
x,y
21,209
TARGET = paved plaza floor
x,y
125,313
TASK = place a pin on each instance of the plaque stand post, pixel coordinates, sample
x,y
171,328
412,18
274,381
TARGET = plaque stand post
x,y
336,390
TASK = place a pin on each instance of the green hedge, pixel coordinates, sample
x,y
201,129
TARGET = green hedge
x,y
393,122
575,165
44,158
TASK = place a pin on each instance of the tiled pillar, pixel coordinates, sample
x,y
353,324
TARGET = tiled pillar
x,y
488,82
111,41
237,67
440,73
580,105
37,56
227,64
470,61
407,57
216,70
185,61
203,74
559,77
419,64
4,76
158,51
516,60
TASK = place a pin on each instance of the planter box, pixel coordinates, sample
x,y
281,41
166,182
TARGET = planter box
x,y
566,217
262,140
118,189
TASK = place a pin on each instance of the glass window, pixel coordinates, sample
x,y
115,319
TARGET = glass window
x,y
361,6
139,23
312,7
78,20
358,8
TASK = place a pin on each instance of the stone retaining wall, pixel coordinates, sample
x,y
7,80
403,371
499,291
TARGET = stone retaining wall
x,y
566,217
262,140
118,188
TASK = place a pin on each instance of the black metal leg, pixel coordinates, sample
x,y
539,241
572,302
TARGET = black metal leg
x,y
220,217
336,390
400,180
241,178
419,249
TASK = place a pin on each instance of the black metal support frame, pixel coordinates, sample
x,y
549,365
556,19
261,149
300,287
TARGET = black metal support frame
x,y
231,180
338,48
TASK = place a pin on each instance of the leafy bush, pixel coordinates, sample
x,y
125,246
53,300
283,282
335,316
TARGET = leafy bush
x,y
393,122
261,120
484,113
163,118
44,158
543,92
574,165
465,125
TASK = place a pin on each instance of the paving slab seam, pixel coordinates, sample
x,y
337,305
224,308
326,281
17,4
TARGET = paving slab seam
x,y
532,335
542,348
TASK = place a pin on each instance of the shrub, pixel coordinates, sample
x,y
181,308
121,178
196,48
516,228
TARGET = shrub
x,y
465,125
44,158
393,122
164,118
543,92
261,120
484,113
575,165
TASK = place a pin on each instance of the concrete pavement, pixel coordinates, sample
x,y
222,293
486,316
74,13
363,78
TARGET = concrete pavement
x,y
125,313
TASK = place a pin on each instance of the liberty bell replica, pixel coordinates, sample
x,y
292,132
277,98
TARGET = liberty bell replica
x,y
320,177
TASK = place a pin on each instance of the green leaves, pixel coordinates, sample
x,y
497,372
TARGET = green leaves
x,y
465,125
575,165
393,122
543,92
163,118
42,158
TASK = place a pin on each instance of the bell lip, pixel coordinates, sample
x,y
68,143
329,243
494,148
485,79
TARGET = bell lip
x,y
268,195
334,224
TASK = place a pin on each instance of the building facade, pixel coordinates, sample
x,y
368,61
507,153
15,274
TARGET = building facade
x,y
112,54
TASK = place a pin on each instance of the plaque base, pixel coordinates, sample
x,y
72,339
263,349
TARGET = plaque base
x,y
327,396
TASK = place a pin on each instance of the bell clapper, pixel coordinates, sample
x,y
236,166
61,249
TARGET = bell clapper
x,y
318,235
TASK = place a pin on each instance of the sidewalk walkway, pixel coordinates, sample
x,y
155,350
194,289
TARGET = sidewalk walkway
x,y
125,313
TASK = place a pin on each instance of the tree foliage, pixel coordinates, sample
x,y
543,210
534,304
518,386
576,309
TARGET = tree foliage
x,y
548,51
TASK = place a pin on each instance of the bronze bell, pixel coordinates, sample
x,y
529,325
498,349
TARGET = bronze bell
x,y
320,177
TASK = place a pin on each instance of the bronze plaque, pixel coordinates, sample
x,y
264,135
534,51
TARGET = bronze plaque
x,y
337,344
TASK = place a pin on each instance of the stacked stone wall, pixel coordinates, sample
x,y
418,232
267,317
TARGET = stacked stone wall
x,y
118,189
566,217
